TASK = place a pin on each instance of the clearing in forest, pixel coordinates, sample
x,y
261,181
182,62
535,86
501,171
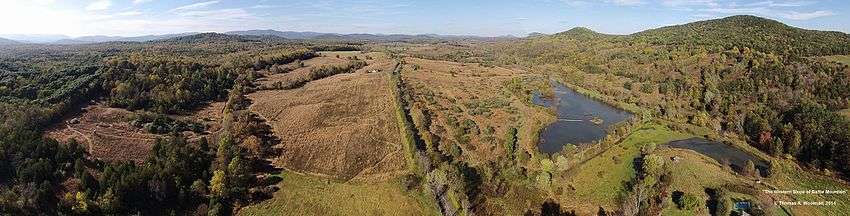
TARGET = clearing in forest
x,y
301,69
341,127
107,134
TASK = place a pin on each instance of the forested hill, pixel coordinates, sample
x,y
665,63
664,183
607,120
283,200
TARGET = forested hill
x,y
4,41
762,34
218,37
582,33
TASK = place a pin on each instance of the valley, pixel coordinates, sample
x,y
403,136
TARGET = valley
x,y
704,118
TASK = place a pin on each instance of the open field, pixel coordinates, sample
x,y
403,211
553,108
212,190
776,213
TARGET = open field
x,y
311,195
844,59
598,181
375,61
845,112
341,127
692,174
789,176
106,133
210,115
471,106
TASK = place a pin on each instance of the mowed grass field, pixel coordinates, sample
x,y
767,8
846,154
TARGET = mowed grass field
x,y
311,195
599,181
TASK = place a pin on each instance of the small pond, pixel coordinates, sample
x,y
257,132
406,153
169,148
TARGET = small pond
x,y
721,152
581,119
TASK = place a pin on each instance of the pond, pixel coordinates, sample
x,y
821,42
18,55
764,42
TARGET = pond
x,y
581,119
723,153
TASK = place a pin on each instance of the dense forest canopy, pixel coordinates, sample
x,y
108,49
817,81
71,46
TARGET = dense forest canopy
x,y
40,84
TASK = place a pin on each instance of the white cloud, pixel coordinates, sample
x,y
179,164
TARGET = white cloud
x,y
626,2
223,14
690,3
99,5
581,3
769,8
141,1
806,16
44,2
129,13
781,4
261,6
575,3
195,6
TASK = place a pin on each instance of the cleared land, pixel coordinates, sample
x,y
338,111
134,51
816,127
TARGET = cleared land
x,y
789,176
844,59
340,145
598,181
341,127
376,62
310,195
107,134
471,106
210,116
845,112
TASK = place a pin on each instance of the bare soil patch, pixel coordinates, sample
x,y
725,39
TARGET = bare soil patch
x,y
106,133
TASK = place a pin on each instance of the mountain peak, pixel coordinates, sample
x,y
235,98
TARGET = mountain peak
x,y
763,34
581,33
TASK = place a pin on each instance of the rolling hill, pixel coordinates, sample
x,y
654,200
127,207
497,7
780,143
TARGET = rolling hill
x,y
4,41
103,38
582,33
750,31
283,34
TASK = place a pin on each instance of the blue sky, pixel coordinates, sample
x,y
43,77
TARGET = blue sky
x,y
458,17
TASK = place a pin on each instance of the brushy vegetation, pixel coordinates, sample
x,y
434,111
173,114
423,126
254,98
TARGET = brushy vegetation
x,y
404,125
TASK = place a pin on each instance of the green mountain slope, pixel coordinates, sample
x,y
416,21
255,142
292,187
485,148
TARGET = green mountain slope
x,y
582,33
750,31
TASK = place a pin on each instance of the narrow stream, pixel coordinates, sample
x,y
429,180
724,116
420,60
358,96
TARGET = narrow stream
x,y
581,119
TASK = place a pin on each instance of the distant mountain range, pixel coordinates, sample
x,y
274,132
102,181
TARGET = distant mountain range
x,y
742,31
359,37
4,41
101,38
62,39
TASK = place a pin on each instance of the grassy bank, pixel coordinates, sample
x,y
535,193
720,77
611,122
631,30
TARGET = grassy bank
x,y
405,127
310,195
598,181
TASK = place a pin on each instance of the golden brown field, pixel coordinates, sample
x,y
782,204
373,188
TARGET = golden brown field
x,y
341,127
454,93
